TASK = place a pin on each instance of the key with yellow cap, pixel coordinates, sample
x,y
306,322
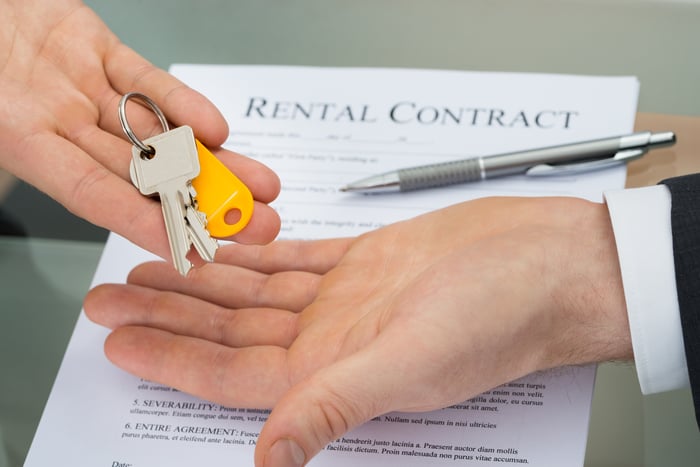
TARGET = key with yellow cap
x,y
221,196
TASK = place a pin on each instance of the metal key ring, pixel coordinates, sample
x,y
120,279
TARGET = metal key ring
x,y
125,125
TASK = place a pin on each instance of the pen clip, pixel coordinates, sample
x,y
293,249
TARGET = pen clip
x,y
621,157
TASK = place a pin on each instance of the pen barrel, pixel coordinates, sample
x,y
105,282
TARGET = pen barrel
x,y
515,163
447,173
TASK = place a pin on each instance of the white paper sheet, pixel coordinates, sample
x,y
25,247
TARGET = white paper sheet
x,y
320,128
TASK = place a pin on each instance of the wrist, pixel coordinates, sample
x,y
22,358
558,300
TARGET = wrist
x,y
590,316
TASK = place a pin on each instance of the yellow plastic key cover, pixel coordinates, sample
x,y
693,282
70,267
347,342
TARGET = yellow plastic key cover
x,y
219,192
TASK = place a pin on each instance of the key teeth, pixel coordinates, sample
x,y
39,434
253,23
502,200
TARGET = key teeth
x,y
193,196
203,217
199,236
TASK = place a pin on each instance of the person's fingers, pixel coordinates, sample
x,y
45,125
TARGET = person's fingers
x,y
262,182
115,306
232,287
115,153
128,71
109,150
93,192
326,405
89,190
247,377
317,256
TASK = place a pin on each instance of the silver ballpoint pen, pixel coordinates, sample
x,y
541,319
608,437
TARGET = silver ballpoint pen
x,y
555,160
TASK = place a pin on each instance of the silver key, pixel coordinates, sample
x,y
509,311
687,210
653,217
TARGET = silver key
x,y
169,173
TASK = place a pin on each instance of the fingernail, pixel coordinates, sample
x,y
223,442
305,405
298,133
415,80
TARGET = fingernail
x,y
285,453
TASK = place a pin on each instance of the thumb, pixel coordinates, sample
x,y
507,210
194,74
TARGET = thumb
x,y
321,408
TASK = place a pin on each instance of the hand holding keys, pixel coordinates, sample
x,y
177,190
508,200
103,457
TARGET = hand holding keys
x,y
167,165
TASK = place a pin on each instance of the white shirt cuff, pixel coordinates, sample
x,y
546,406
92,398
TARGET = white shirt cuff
x,y
641,220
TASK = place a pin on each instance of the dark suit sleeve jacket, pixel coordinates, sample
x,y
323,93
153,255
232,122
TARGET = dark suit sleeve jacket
x,y
685,226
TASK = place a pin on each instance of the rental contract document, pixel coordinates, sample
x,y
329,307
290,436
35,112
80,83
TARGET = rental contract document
x,y
320,128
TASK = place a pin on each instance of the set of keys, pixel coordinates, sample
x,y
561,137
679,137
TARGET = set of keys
x,y
196,190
